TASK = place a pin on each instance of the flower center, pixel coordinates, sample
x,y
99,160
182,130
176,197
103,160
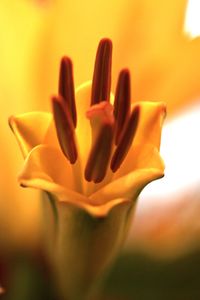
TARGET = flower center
x,y
113,126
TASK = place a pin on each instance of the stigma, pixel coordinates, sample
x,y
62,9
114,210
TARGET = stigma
x,y
113,126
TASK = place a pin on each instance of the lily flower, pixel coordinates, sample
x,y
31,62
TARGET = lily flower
x,y
149,38
92,156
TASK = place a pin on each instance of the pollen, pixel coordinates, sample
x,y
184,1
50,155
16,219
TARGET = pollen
x,y
99,157
126,140
113,126
65,129
101,82
122,104
66,87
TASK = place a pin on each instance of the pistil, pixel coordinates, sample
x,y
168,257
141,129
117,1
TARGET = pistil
x,y
102,126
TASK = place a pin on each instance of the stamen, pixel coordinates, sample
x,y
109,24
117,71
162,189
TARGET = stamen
x,y
102,124
65,129
125,140
101,82
100,155
122,104
66,87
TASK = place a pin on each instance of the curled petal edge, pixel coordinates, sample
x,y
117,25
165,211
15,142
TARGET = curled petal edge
x,y
72,198
30,129
123,190
130,190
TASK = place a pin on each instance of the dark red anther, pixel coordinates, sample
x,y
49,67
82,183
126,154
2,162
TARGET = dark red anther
x,y
66,87
65,129
101,83
100,155
125,140
122,104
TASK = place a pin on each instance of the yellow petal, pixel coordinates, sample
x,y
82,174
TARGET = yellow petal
x,y
142,156
51,138
150,123
130,185
49,166
147,139
30,129
41,172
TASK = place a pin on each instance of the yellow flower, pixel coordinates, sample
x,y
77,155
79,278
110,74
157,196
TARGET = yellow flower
x,y
93,156
148,36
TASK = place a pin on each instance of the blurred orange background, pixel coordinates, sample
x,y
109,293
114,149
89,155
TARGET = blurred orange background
x,y
164,61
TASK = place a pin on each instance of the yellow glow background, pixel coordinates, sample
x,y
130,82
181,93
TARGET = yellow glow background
x,y
33,38
168,211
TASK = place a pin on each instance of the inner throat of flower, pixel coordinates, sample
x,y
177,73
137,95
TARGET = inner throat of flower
x,y
113,126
